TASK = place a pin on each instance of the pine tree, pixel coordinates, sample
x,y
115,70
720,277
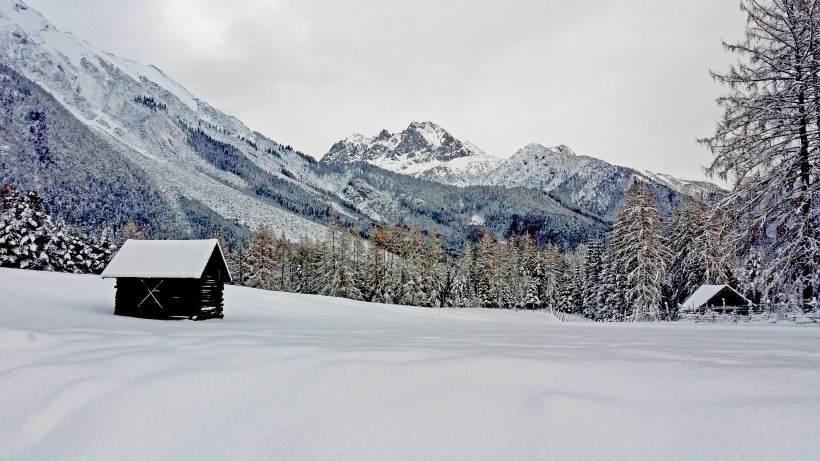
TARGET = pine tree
x,y
751,279
433,274
768,143
553,266
593,278
487,271
638,255
26,232
531,273
463,293
412,277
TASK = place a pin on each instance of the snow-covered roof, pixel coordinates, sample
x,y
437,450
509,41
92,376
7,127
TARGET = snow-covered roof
x,y
184,259
703,294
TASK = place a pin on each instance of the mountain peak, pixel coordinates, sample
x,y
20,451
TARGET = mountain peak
x,y
563,150
422,149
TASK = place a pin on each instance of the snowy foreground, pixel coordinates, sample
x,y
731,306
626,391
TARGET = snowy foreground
x,y
304,377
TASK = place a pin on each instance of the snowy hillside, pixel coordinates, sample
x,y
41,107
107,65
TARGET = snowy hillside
x,y
701,189
424,150
585,182
302,377
153,122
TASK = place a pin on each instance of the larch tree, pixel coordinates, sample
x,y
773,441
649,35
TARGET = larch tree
x,y
261,261
767,143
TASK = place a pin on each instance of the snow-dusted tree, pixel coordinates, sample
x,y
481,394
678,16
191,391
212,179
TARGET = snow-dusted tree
x,y
593,272
412,274
433,273
638,254
751,277
553,266
531,271
487,271
569,295
699,253
768,143
130,231
510,286
261,260
378,267
240,258
29,239
463,294
306,265
283,254
346,284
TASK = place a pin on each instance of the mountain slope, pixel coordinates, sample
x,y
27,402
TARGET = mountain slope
x,y
423,150
159,126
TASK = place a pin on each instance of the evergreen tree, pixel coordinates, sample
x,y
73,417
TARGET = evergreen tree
x,y
593,278
463,294
412,277
531,271
487,271
639,254
433,273
553,266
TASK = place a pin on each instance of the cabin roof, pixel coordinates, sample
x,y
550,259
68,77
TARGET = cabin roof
x,y
184,259
702,295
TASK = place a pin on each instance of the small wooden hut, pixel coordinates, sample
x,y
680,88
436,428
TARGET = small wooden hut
x,y
718,298
165,279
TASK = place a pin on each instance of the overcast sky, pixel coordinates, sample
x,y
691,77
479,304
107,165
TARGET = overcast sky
x,y
623,80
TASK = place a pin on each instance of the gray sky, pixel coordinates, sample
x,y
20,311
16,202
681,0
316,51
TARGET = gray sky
x,y
623,80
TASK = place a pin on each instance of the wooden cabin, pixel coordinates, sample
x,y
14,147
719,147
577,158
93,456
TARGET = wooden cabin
x,y
717,298
167,279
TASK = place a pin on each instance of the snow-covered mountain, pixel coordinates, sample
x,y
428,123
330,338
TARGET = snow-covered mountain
x,y
106,139
155,123
700,189
587,183
423,150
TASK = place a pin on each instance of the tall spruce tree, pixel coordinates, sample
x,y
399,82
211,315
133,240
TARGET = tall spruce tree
x,y
638,255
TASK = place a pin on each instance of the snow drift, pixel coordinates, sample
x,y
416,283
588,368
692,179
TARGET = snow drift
x,y
305,377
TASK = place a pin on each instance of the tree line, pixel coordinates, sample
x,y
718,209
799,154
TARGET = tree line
x,y
641,271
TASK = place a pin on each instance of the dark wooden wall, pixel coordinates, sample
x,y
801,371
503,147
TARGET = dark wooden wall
x,y
197,299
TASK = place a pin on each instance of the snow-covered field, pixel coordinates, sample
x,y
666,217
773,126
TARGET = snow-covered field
x,y
304,377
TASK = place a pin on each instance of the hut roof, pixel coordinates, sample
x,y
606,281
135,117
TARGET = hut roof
x,y
702,295
184,259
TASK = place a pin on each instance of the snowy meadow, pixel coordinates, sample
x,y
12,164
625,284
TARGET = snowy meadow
x,y
288,376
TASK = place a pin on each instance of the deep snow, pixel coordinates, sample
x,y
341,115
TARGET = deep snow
x,y
288,376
